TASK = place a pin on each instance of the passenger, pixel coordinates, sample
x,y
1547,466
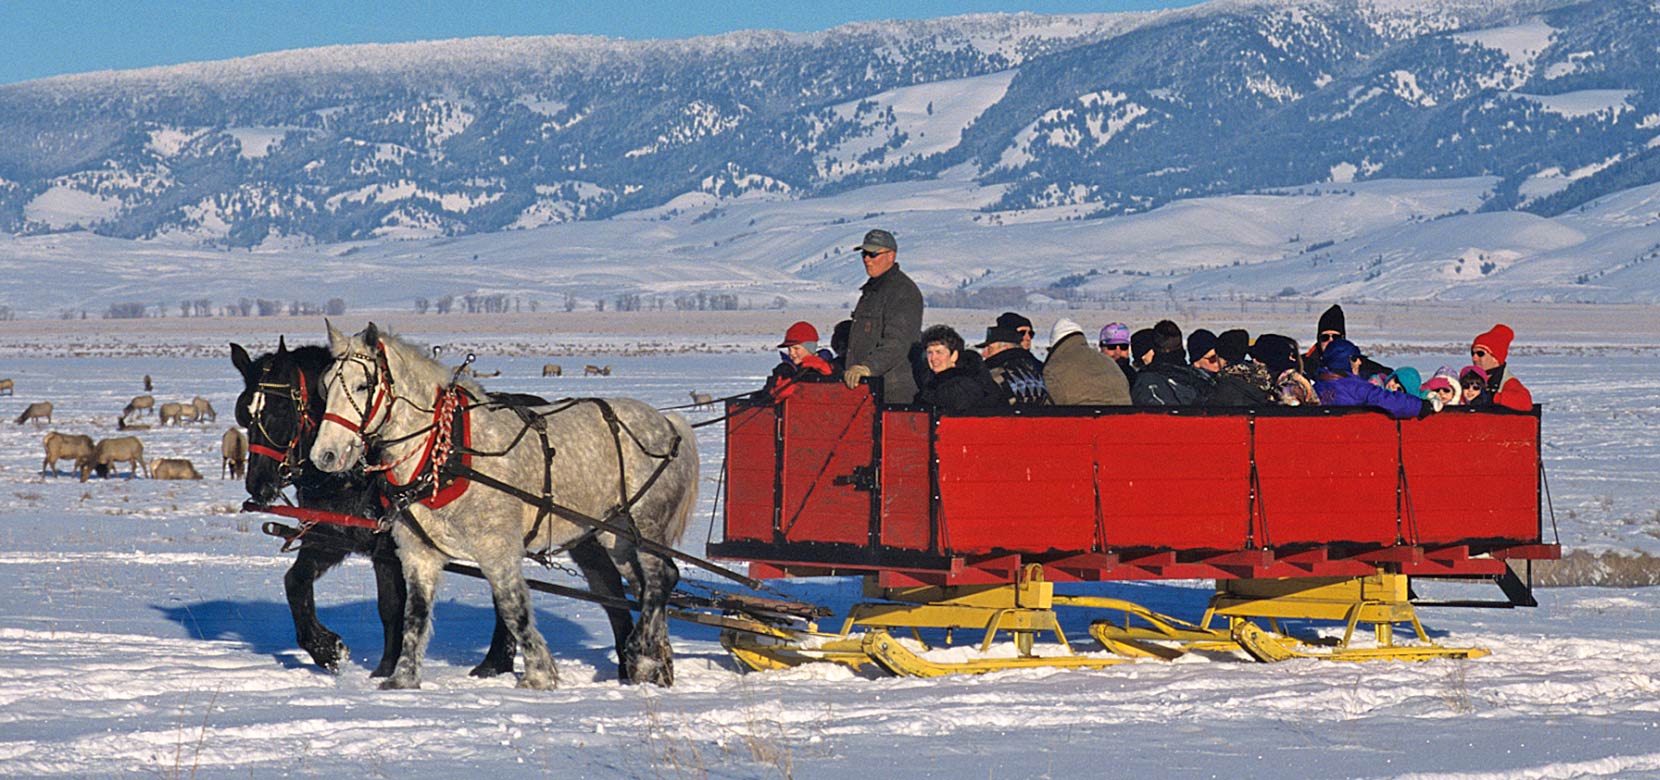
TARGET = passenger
x,y
1241,382
886,322
1374,372
1473,387
838,345
1489,351
802,362
1280,356
1406,380
1021,325
1169,380
1201,352
1332,326
1443,388
1338,385
1141,350
958,380
1115,344
1018,373
1079,376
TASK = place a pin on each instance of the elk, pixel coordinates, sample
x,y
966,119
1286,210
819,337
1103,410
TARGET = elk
x,y
204,410
64,446
139,404
596,371
6,385
37,411
548,369
233,451
177,413
108,452
173,468
701,400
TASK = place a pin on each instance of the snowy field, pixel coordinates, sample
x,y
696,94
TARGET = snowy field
x,y
143,631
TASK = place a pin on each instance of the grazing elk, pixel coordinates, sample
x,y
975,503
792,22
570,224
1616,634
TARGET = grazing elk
x,y
148,385
6,385
108,452
178,413
37,411
596,371
701,400
64,446
141,405
233,452
204,410
548,369
173,468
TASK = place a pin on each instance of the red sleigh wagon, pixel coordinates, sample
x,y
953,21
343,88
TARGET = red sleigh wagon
x,y
967,521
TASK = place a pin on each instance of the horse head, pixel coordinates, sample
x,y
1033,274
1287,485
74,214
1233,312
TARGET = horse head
x,y
280,406
377,390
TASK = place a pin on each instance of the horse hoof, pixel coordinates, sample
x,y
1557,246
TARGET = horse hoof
x,y
328,655
652,671
384,670
487,670
539,682
396,683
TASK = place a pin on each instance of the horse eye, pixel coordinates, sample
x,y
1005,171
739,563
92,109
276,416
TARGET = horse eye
x,y
364,387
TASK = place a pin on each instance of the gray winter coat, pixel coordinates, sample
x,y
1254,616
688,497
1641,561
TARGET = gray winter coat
x,y
1079,375
886,325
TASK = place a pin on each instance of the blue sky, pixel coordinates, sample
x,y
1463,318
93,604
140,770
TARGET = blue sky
x,y
51,37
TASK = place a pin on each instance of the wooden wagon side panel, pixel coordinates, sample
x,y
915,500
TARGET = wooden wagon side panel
x,y
1472,477
751,471
1174,482
1018,484
828,435
906,484
1328,480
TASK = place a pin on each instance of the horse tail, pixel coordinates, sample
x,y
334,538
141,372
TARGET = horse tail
x,y
682,516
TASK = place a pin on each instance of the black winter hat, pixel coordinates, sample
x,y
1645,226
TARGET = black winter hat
x,y
1232,345
1142,342
1013,321
1332,319
1275,352
1199,343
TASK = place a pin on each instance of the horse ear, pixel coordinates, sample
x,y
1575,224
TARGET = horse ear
x,y
282,345
337,340
371,334
240,359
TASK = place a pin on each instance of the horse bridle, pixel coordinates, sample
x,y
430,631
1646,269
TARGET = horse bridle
x,y
382,393
290,458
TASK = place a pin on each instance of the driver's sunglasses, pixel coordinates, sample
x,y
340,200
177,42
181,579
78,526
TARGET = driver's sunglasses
x,y
868,254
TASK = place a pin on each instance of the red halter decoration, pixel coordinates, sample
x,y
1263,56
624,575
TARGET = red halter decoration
x,y
438,448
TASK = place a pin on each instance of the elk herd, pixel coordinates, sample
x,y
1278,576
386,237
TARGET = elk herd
x,y
106,457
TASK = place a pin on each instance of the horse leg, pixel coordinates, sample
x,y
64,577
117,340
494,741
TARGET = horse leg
x,y
390,594
503,649
512,600
605,580
421,567
324,645
648,646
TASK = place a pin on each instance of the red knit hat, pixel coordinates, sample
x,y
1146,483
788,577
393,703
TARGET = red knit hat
x,y
1497,341
800,333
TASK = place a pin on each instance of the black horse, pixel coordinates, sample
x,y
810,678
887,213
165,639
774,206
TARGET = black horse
x,y
281,406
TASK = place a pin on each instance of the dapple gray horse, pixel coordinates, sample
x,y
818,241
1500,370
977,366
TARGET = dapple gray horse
x,y
384,391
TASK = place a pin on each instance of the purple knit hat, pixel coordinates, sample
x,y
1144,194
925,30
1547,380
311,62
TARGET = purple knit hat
x,y
1115,333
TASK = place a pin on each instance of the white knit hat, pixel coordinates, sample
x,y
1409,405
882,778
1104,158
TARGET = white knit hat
x,y
1063,328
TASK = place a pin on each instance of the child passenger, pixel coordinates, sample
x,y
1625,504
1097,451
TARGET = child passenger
x,y
801,362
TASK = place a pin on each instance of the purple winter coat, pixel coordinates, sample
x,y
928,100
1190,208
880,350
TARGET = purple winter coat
x,y
1350,390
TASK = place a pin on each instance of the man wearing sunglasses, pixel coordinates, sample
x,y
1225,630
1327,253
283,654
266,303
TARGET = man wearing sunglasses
x,y
887,322
1333,325
1488,352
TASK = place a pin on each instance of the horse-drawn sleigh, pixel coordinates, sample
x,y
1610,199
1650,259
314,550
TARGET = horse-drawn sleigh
x,y
955,522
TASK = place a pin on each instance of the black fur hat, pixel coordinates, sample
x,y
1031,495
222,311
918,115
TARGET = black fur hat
x,y
1332,319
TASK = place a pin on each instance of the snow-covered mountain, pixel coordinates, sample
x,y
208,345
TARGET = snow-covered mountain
x,y
1494,149
1115,113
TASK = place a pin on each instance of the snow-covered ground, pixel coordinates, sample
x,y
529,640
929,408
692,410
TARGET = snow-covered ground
x,y
143,630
